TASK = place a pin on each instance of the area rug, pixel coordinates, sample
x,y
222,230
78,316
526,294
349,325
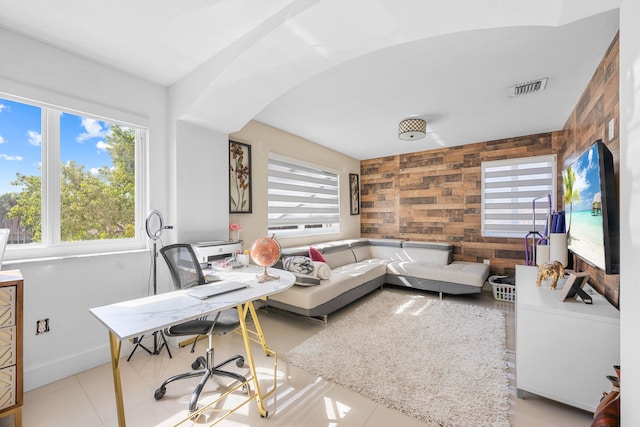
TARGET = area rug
x,y
440,362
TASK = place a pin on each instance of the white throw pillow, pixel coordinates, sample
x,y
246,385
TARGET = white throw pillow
x,y
321,270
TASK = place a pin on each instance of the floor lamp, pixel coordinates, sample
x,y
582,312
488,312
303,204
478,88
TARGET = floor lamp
x,y
154,235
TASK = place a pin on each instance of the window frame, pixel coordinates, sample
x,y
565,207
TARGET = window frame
x,y
537,199
51,245
310,228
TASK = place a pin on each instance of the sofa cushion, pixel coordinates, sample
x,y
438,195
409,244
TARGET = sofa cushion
x,y
377,249
427,252
337,254
361,253
310,297
462,272
370,269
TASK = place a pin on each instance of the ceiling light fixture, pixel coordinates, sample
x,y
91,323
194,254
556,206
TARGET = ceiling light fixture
x,y
411,129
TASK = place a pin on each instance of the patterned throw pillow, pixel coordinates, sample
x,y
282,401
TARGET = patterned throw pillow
x,y
298,264
315,255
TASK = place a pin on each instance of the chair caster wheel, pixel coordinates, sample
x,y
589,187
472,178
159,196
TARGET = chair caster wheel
x,y
194,417
195,365
266,414
159,394
240,362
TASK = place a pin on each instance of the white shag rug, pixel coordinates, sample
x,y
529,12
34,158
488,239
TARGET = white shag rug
x,y
442,363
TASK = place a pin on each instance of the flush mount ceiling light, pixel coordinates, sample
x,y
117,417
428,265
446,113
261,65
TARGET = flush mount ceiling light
x,y
411,129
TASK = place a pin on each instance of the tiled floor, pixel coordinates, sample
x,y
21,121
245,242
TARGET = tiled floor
x,y
87,399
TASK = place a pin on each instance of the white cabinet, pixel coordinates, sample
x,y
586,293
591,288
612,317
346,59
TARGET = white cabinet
x,y
564,350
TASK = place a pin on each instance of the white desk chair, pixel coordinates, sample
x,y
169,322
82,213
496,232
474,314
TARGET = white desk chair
x,y
4,237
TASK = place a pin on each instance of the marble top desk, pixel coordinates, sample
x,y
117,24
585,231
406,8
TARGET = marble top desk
x,y
129,319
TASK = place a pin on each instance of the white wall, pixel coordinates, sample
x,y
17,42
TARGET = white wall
x,y
202,162
630,210
63,290
264,140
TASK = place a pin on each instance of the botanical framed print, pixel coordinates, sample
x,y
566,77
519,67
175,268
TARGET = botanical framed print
x,y
239,177
354,191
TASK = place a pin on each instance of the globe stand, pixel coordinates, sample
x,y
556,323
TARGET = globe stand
x,y
265,251
265,276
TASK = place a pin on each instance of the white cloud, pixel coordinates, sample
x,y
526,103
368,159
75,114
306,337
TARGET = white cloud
x,y
94,171
102,146
580,183
1,140
3,107
8,157
35,138
93,129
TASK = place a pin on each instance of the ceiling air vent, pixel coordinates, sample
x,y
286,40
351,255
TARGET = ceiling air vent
x,y
527,88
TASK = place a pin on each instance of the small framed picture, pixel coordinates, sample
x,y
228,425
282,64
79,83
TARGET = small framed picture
x,y
239,177
354,191
573,288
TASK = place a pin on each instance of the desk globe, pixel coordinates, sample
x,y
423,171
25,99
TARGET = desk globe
x,y
265,251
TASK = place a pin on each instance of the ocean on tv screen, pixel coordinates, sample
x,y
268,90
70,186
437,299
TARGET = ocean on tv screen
x,y
586,238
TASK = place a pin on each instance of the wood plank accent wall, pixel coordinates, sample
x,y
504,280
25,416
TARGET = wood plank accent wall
x,y
589,121
435,195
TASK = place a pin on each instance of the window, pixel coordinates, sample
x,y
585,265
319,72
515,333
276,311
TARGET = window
x,y
67,179
302,199
509,188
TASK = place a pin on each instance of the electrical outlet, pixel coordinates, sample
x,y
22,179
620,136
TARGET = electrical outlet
x,y
488,262
42,326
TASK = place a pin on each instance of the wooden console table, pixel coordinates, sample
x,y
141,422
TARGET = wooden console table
x,y
11,294
564,350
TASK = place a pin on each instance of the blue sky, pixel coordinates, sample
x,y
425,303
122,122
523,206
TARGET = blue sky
x,y
82,140
587,178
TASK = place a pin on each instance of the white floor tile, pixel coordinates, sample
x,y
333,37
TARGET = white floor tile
x,y
302,399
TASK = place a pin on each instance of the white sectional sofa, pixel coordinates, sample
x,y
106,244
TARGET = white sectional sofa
x,y
360,266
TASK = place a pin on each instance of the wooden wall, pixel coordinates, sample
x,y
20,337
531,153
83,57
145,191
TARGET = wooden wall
x,y
435,195
589,122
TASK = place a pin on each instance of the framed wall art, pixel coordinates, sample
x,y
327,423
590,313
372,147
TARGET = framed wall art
x,y
239,177
354,191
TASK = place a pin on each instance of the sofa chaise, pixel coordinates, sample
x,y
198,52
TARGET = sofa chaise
x,y
359,266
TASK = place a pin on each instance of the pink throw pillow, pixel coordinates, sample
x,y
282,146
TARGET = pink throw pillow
x,y
315,255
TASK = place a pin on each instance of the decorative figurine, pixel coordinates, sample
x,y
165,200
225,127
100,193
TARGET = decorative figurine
x,y
553,270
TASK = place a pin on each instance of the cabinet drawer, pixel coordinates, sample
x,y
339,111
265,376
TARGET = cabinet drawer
x,y
7,387
7,346
8,306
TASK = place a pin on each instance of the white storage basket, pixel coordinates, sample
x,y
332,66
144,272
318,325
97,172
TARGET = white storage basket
x,y
503,290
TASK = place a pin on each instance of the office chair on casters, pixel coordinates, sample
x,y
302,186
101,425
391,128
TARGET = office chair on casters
x,y
186,272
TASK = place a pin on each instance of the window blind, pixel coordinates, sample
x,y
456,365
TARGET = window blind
x,y
509,188
301,195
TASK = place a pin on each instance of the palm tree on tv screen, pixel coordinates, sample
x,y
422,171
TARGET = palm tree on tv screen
x,y
571,194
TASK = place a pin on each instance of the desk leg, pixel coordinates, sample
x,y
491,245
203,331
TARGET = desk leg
x,y
116,345
242,314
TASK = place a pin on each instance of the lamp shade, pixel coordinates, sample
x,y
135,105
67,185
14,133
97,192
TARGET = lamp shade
x,y
410,129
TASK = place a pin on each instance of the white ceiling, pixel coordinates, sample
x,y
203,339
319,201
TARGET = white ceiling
x,y
343,73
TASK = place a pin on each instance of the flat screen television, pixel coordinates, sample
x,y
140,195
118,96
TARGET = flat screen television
x,y
591,204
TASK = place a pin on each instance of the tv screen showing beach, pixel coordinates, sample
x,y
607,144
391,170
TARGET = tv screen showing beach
x,y
583,205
